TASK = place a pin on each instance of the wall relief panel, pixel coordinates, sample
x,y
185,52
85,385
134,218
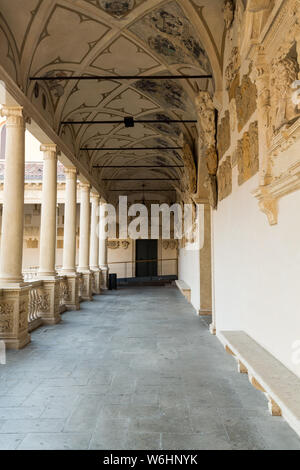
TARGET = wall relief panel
x,y
248,154
246,98
225,179
224,138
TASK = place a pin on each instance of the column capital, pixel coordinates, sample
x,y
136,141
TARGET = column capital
x,y
70,172
14,114
49,150
84,186
96,197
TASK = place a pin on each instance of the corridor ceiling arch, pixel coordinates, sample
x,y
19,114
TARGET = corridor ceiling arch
x,y
85,38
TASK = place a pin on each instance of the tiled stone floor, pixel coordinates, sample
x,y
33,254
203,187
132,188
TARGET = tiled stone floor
x,y
134,369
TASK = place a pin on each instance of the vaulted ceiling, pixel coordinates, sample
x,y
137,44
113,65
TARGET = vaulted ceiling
x,y
115,37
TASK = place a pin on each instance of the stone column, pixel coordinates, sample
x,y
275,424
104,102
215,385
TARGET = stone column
x,y
94,245
103,249
47,272
84,242
69,254
14,294
48,217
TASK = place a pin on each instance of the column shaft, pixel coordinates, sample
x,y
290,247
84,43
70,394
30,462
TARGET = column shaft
x,y
69,254
84,242
94,243
103,248
13,198
48,218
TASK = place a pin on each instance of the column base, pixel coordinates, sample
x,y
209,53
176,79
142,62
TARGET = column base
x,y
96,281
86,285
212,329
72,301
14,317
104,277
50,313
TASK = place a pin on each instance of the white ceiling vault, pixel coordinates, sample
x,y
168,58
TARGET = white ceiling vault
x,y
115,37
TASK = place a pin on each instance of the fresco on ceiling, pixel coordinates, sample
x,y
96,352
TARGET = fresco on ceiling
x,y
170,34
116,8
167,93
173,130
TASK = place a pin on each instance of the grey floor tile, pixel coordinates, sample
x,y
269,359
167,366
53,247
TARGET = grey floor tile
x,y
56,441
135,369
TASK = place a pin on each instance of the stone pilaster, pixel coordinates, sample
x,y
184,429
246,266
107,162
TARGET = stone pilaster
x,y
84,243
205,263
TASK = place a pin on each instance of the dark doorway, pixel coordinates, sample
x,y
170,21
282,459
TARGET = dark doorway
x,y
146,250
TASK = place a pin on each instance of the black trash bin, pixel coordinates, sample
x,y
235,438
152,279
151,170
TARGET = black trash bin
x,y
112,282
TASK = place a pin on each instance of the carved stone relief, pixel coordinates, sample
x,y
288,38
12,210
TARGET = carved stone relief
x,y
189,166
245,97
224,138
207,121
248,157
228,13
170,244
225,179
115,244
232,68
6,317
283,110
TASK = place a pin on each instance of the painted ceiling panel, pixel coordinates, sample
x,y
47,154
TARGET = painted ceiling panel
x,y
170,34
113,37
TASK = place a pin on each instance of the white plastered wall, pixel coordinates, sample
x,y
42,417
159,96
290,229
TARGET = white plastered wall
x,y
257,271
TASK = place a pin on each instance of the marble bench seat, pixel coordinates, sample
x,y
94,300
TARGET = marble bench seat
x,y
267,374
184,289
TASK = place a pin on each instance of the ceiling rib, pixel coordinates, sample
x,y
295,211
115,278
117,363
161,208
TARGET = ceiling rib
x,y
121,77
129,148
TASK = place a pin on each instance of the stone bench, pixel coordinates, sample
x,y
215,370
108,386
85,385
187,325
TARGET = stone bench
x,y
184,289
267,374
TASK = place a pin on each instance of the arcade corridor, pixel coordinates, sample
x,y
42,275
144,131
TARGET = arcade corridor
x,y
134,369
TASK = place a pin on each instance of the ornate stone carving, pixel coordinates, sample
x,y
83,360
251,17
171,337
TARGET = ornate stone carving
x,y
283,109
170,244
189,166
113,244
207,121
210,184
228,13
6,317
248,161
125,244
224,179
232,68
233,115
224,135
245,97
23,315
